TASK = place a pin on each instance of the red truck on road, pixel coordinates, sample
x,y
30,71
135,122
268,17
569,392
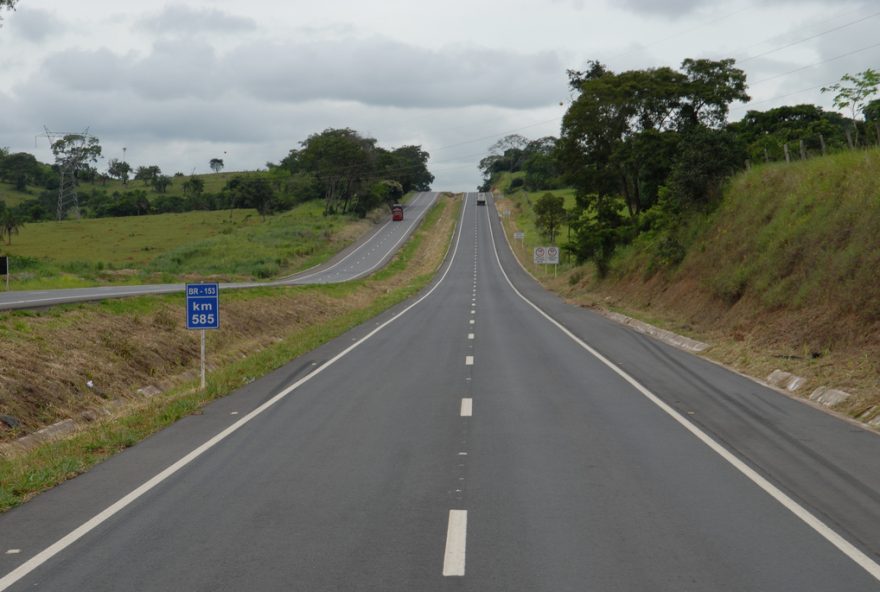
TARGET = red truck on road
x,y
397,212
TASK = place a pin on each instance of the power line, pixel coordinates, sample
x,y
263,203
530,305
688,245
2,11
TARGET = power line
x,y
498,135
811,37
808,66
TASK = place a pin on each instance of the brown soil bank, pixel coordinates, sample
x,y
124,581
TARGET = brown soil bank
x,y
785,274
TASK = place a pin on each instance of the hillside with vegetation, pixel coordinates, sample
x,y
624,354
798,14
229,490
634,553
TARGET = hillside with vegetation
x,y
761,237
781,275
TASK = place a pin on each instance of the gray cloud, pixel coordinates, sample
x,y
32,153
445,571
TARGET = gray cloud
x,y
83,70
668,8
372,72
33,24
183,19
383,72
677,8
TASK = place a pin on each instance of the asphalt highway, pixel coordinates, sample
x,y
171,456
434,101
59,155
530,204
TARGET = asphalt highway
x,y
367,255
484,436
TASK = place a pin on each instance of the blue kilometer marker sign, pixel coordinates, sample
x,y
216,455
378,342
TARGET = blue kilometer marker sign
x,y
202,306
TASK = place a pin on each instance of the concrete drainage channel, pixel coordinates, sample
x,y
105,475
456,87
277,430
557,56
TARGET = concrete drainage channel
x,y
785,381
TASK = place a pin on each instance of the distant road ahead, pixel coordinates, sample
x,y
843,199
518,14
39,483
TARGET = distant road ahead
x,y
358,260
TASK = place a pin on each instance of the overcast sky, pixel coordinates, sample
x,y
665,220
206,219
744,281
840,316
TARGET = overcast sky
x,y
178,83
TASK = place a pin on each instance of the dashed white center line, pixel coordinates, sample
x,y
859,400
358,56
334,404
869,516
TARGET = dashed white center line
x,y
13,551
467,407
470,335
472,321
456,543
469,360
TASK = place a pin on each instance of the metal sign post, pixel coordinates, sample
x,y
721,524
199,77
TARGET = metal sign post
x,y
553,257
202,312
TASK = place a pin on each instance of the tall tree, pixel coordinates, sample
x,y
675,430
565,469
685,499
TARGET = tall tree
x,y
407,165
21,169
853,93
119,169
10,224
74,151
216,164
549,214
253,192
147,174
712,85
624,135
341,160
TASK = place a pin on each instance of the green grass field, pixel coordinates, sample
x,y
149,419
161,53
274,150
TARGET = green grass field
x,y
11,197
234,244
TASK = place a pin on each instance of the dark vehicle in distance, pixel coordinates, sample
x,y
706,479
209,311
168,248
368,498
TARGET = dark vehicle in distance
x,y
397,212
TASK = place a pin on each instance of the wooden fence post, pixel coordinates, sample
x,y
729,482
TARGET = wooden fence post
x,y
787,154
822,141
803,150
766,155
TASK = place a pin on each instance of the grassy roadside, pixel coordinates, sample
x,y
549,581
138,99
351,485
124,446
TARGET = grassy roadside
x,y
262,330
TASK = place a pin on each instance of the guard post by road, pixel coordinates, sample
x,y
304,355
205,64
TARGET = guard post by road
x,y
202,312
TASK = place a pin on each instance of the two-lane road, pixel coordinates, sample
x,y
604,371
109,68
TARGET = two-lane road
x,y
358,260
484,436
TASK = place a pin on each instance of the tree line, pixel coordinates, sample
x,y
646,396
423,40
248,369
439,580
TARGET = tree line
x,y
345,169
646,149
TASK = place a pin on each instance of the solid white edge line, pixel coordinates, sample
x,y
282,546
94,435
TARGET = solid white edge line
x,y
40,558
368,241
406,235
467,407
456,543
844,546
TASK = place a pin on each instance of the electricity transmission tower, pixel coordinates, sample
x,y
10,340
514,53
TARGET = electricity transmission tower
x,y
69,161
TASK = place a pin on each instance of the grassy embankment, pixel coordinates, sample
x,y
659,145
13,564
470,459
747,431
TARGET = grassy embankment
x,y
226,245
782,275
123,345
